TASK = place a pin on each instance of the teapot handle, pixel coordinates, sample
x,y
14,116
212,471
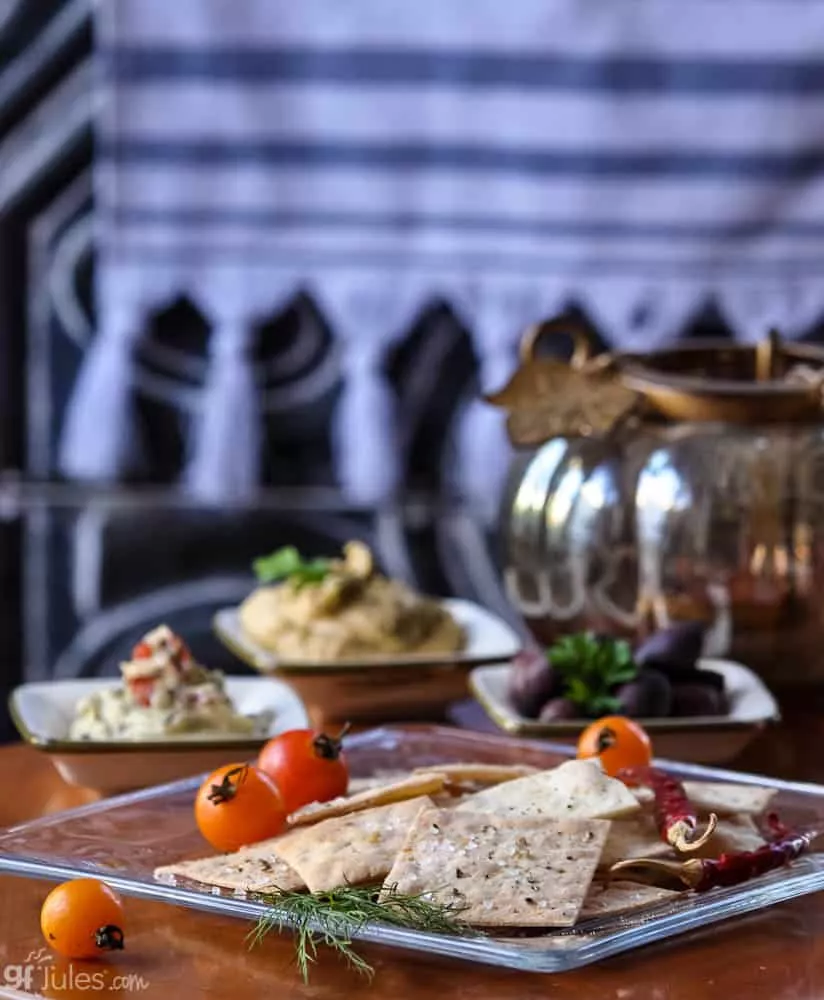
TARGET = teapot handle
x,y
581,336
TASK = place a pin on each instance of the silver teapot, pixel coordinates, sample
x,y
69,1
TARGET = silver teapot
x,y
679,485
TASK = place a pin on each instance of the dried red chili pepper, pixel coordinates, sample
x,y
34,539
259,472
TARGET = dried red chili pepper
x,y
702,874
674,814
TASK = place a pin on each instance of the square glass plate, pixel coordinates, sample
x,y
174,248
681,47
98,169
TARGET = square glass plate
x,y
124,839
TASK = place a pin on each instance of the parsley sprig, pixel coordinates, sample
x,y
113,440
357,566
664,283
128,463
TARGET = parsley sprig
x,y
590,667
288,564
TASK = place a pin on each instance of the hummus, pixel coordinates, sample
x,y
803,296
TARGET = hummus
x,y
351,612
165,693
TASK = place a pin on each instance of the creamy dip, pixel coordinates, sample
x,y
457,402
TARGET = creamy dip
x,y
351,612
165,693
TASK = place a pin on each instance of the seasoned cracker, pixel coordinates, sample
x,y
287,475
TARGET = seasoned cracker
x,y
377,780
480,775
414,786
521,872
719,797
634,837
732,834
608,899
353,849
252,869
728,799
576,789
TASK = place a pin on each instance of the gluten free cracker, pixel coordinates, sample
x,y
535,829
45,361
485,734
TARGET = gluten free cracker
x,y
731,835
427,783
481,775
353,849
575,789
252,869
517,872
722,798
634,837
611,898
728,799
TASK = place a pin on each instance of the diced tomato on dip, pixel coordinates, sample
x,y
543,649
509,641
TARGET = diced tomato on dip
x,y
141,689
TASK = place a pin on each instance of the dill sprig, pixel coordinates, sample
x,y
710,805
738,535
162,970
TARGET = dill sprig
x,y
335,917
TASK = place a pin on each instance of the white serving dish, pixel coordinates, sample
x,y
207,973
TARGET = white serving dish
x,y
489,639
43,713
697,739
380,689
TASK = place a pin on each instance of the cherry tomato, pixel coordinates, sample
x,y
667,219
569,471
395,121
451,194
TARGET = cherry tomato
x,y
82,919
142,651
307,766
238,805
618,741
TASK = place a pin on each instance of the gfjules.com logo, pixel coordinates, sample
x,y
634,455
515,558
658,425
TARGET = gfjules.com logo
x,y
38,974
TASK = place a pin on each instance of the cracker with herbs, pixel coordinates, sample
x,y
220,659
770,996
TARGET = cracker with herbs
x,y
350,850
731,835
720,798
458,776
426,783
517,872
612,898
634,837
576,789
252,869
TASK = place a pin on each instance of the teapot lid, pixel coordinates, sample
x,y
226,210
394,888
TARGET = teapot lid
x,y
768,382
707,380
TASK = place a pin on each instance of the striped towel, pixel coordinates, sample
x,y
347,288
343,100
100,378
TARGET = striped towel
x,y
641,158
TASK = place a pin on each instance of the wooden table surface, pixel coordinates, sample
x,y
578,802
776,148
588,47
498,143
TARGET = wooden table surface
x,y
174,952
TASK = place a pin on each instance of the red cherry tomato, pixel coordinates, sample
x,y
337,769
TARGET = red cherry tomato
x,y
617,741
307,766
238,805
142,651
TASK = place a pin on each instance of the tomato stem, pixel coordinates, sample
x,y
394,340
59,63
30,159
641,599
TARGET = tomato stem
x,y
606,739
227,789
330,747
109,938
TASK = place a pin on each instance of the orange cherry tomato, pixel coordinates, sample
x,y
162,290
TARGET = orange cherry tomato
x,y
82,919
306,766
618,741
238,805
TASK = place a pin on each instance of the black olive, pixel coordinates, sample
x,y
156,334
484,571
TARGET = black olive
x,y
698,699
649,696
678,646
557,709
690,675
532,682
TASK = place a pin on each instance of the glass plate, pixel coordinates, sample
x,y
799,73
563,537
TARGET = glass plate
x,y
124,839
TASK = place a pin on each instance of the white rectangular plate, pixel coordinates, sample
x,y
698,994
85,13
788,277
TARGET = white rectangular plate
x,y
489,639
43,713
700,739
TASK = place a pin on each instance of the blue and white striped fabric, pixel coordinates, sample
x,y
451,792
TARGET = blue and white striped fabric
x,y
641,158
